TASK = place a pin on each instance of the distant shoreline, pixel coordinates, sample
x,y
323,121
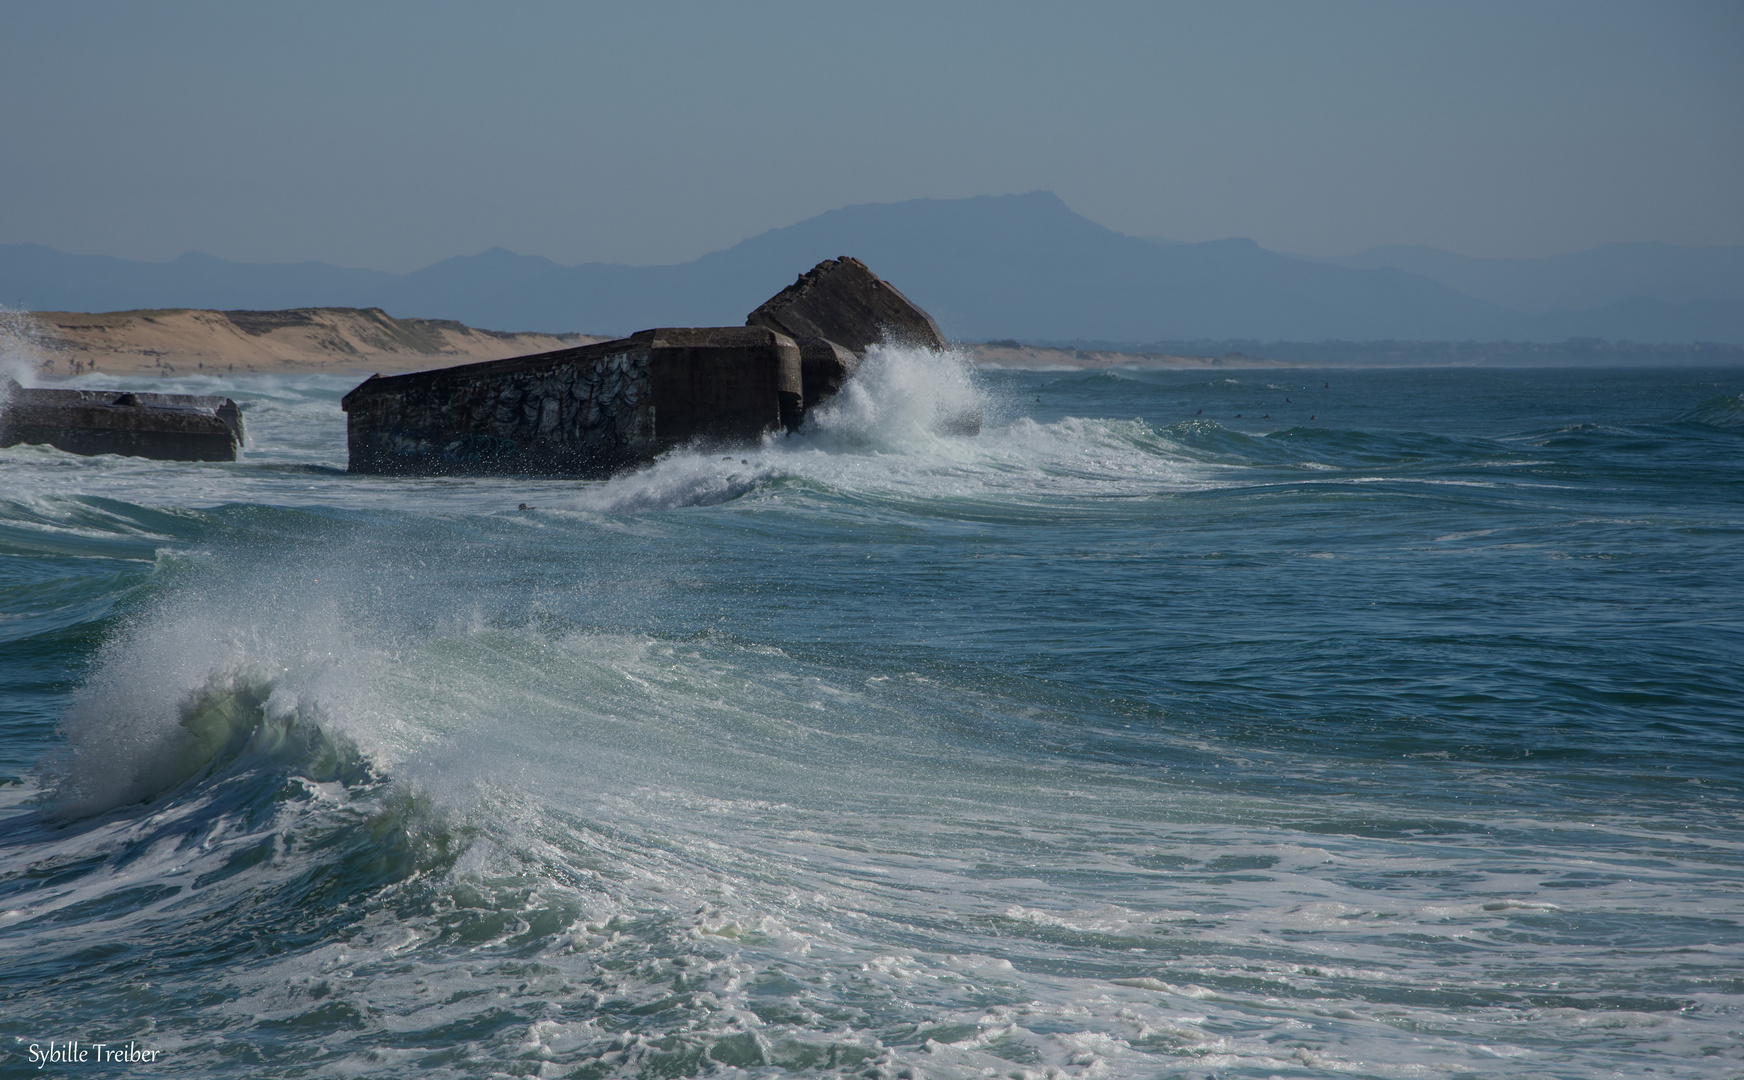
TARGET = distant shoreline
x,y
1012,356
175,342
1044,358
1235,355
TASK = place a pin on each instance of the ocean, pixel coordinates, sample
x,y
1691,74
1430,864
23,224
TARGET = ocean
x,y
1233,723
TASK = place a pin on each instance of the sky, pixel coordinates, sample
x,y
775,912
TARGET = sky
x,y
392,135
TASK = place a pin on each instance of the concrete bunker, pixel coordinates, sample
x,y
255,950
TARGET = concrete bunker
x,y
593,410
167,427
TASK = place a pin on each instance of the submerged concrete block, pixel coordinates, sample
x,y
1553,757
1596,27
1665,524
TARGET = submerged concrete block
x,y
578,412
168,427
843,301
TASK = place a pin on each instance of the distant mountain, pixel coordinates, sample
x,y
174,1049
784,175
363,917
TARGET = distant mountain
x,y
44,279
1605,275
1016,266
1011,266
1647,319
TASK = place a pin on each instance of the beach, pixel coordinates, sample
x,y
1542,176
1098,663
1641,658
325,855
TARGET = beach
x,y
181,342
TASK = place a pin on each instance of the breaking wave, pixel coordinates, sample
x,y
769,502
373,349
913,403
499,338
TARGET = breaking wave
x,y
1089,746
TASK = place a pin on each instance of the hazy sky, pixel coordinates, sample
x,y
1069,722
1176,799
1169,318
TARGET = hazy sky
x,y
391,135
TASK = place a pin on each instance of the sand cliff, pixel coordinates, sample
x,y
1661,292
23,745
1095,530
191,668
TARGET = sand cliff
x,y
185,341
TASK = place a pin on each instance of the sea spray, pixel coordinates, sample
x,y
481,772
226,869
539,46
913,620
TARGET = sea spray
x,y
902,402
898,398
186,686
21,341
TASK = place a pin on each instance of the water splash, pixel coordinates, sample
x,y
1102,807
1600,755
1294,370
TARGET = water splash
x,y
21,347
204,684
899,399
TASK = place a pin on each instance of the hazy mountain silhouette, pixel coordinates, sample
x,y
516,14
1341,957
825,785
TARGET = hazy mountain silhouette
x,y
1604,275
1016,266
48,280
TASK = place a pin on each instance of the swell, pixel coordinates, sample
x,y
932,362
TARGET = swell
x,y
664,839
203,814
1725,412
1091,745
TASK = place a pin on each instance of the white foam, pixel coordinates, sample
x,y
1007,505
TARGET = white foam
x,y
714,825
20,347
179,685
890,434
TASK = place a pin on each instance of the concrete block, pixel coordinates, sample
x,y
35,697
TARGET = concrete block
x,y
593,410
586,412
824,367
167,427
843,301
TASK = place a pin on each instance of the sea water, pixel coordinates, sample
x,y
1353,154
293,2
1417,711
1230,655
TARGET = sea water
x,y
1235,723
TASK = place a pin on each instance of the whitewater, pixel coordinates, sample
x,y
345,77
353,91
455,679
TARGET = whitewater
x,y
1291,723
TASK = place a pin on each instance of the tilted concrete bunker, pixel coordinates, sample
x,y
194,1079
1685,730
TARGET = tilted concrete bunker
x,y
168,427
843,301
593,410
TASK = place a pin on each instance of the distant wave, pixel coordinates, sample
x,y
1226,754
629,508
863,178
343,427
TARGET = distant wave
x,y
1725,412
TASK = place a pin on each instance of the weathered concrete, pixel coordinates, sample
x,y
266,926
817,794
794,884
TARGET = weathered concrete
x,y
592,410
169,427
578,412
824,367
841,300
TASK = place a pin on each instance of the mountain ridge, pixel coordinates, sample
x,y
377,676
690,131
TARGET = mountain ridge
x,y
987,267
1582,280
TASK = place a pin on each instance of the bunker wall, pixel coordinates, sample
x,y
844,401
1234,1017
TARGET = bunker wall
x,y
578,412
574,415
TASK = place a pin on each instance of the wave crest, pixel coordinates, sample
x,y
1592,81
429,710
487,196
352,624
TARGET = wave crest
x,y
205,685
127,750
1725,411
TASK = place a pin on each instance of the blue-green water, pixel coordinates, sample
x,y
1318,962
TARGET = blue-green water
x,y
1390,730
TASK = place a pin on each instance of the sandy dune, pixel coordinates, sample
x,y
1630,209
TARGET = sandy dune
x,y
186,341
183,341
